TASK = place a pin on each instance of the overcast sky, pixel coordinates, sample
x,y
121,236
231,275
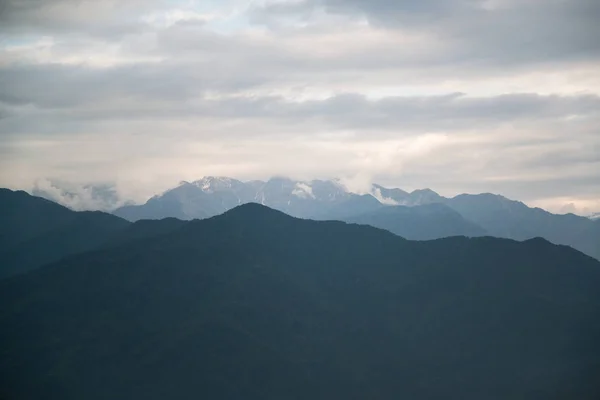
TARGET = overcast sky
x,y
472,96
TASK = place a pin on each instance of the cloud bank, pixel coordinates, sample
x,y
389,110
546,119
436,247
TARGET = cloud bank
x,y
457,95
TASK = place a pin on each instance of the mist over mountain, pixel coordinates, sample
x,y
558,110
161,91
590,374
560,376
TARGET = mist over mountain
x,y
80,197
594,217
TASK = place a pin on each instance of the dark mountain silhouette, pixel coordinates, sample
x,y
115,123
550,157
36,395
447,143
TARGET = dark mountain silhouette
x,y
255,304
426,222
35,231
143,229
23,216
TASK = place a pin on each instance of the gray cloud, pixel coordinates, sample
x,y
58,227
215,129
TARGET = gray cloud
x,y
480,33
172,91
457,95
59,86
448,112
108,18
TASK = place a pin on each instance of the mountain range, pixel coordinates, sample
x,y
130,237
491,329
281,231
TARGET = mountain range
x,y
35,231
466,214
46,232
256,304
211,196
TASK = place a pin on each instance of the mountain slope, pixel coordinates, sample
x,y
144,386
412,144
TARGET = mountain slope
x,y
502,217
354,205
23,216
35,231
255,304
185,202
143,229
300,199
426,222
395,196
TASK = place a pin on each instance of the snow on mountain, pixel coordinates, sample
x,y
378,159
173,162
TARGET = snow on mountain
x,y
211,184
212,195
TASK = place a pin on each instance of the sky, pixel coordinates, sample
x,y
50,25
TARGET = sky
x,y
499,96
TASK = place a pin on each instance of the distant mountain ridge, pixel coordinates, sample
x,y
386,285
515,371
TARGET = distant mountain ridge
x,y
405,214
423,222
35,231
213,195
488,214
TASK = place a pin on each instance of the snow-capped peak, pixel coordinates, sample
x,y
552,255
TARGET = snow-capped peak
x,y
212,183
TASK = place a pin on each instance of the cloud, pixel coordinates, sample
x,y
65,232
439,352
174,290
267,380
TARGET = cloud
x,y
376,192
87,96
481,32
110,18
456,95
79,197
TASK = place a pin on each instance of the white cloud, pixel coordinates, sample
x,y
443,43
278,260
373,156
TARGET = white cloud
x,y
303,190
376,192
